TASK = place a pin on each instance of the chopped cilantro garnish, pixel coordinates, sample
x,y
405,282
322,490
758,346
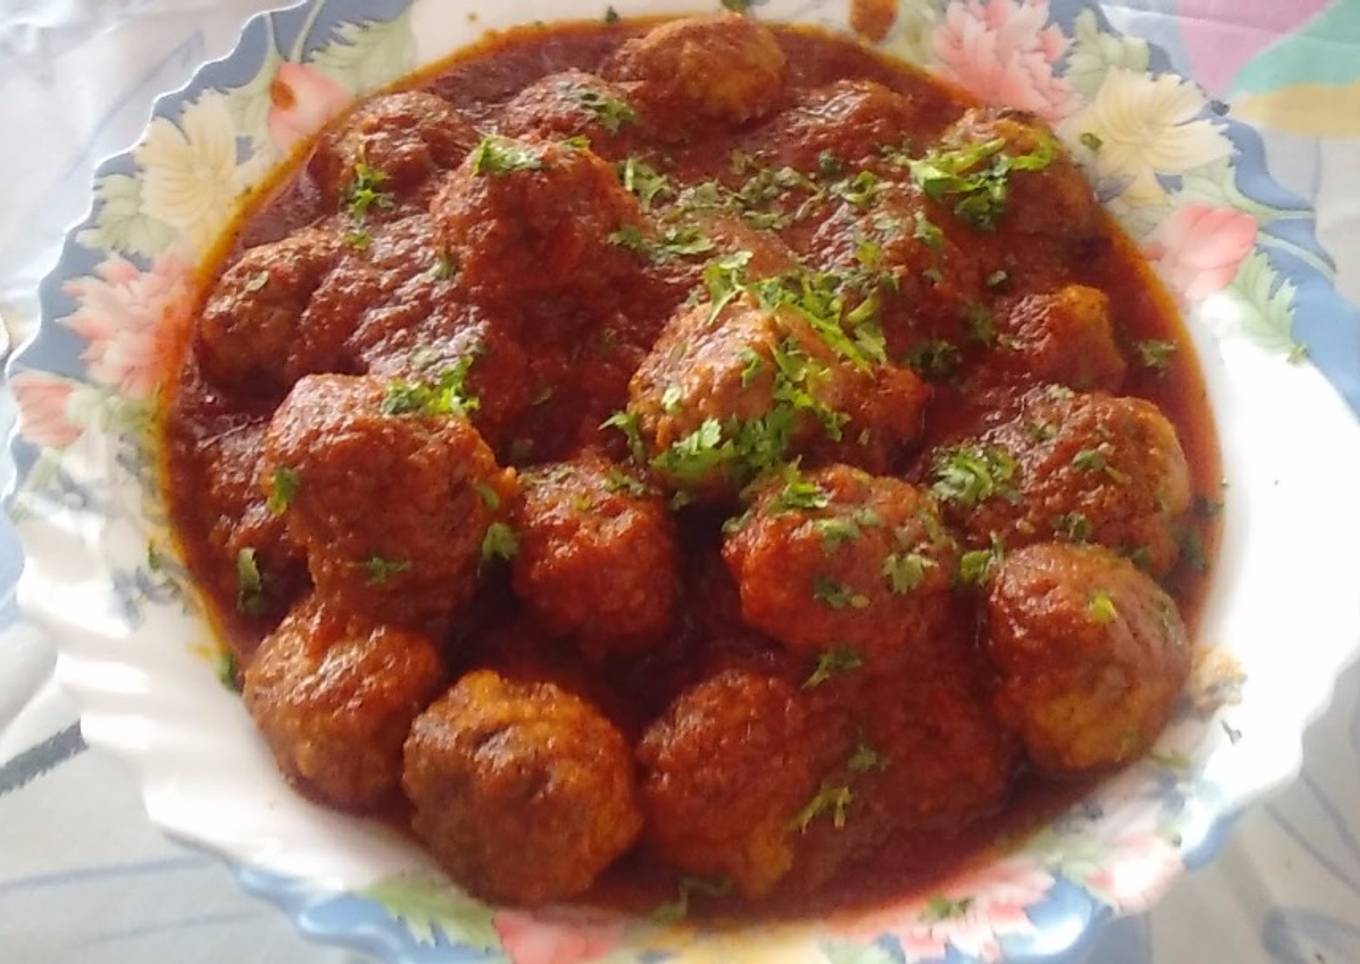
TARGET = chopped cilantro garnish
x,y
836,531
643,181
444,268
447,395
670,399
829,799
1073,526
674,243
1095,460
979,323
1192,549
249,583
865,759
611,16
611,112
927,232
862,190
752,363
935,360
837,595
905,571
977,566
969,474
380,570
1101,608
674,911
358,240
839,659
620,481
283,485
629,424
490,497
500,542
1091,140
229,669
829,165
977,177
499,156
1155,354
365,191
799,494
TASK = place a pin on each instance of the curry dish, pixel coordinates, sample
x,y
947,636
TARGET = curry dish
x,y
693,455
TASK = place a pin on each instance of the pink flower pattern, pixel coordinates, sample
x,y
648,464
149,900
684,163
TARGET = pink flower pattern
x,y
302,100
1005,52
1199,248
557,935
129,318
970,913
44,409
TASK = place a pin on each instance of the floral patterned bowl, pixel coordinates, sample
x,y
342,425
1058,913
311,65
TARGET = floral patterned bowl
x,y
1187,181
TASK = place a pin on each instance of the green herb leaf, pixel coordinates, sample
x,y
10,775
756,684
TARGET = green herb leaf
x,y
447,395
799,494
629,424
1155,354
500,156
676,910
836,531
830,662
358,240
283,485
927,232
611,112
977,177
365,192
905,571
828,800
1074,527
1091,140
865,759
643,181
1101,608
837,595
500,542
249,583
380,570
969,474
980,324
490,498
935,360
617,481
611,16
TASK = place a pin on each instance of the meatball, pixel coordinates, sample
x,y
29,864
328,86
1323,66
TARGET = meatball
x,y
401,139
1092,655
256,328
334,696
532,217
720,396
727,772
1050,203
839,559
1063,337
1095,468
573,103
393,499
522,791
839,127
936,275
690,72
597,555
457,339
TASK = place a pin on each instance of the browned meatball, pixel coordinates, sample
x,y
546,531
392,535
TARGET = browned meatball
x,y
574,103
392,498
1063,337
1092,655
334,696
936,275
257,328
1054,202
837,128
690,72
523,792
532,216
721,396
840,559
728,770
597,554
1094,468
402,140
461,338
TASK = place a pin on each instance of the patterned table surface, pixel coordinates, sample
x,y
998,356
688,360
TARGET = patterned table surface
x,y
84,876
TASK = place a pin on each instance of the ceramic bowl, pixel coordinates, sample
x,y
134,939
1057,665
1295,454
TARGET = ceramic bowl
x,y
1187,181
